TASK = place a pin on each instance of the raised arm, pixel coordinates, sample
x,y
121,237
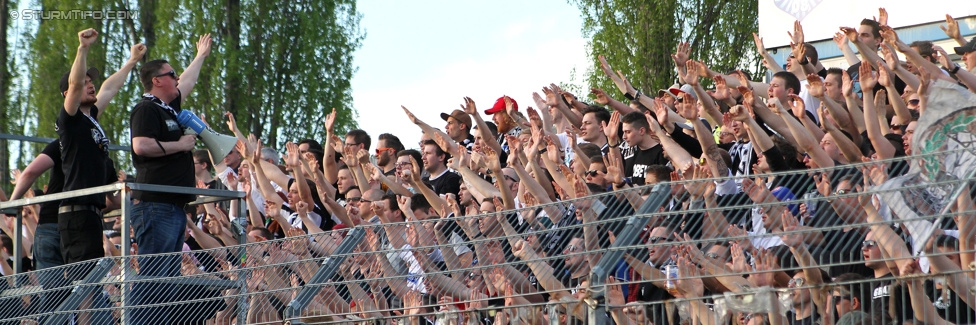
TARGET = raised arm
x,y
38,166
951,29
470,108
805,140
188,79
76,77
849,55
881,145
113,83
768,60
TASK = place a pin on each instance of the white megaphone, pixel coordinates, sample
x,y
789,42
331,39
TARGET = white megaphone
x,y
219,145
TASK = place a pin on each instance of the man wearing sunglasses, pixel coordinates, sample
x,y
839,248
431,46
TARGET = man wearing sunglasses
x,y
161,155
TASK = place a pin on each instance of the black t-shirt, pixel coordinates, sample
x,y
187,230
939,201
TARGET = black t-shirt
x,y
49,210
636,161
448,182
890,298
149,119
743,157
84,155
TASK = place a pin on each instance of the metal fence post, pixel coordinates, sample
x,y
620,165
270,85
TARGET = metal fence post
x,y
18,245
328,269
241,223
125,250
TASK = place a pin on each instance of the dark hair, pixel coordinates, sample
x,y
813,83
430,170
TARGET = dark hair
x,y
360,136
947,241
491,128
601,114
392,142
312,144
590,149
8,243
858,289
413,153
924,49
438,151
875,27
264,232
661,172
811,52
836,71
788,151
790,80
148,71
419,202
391,200
204,157
636,120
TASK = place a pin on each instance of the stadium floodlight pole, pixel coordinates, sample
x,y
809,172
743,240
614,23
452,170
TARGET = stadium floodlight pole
x,y
629,236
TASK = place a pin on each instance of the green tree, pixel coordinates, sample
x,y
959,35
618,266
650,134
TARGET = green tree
x,y
638,36
277,65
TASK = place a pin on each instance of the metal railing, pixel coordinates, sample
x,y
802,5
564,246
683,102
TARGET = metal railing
x,y
367,274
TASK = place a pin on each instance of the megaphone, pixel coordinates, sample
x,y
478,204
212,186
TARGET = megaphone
x,y
219,145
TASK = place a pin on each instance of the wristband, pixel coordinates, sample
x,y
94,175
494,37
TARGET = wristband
x,y
160,146
956,69
805,61
637,97
544,150
614,145
631,97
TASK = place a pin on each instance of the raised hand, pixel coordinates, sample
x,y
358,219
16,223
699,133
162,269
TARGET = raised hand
x,y
739,263
889,35
682,54
738,113
851,34
868,79
841,39
691,75
330,122
689,284
797,105
137,52
203,45
790,225
951,28
847,85
292,158
882,16
797,34
601,96
87,37
743,81
760,46
469,106
721,92
610,130
687,107
748,98
799,51
815,85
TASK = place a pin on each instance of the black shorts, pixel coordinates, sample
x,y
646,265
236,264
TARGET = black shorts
x,y
81,236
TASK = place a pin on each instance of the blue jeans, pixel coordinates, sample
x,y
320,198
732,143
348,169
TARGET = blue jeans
x,y
159,228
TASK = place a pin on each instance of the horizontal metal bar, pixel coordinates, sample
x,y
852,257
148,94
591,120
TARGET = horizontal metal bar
x,y
115,187
7,136
184,190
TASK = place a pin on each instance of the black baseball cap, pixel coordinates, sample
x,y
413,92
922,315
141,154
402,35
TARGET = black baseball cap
x,y
92,72
969,47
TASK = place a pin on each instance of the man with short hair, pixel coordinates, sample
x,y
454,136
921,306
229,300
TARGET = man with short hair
x,y
357,140
441,180
642,150
161,155
459,128
592,128
386,152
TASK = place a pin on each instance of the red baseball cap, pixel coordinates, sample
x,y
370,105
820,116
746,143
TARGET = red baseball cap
x,y
500,105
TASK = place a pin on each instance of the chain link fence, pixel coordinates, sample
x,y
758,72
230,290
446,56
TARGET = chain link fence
x,y
846,245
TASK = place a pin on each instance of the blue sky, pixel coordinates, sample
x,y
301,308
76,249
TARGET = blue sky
x,y
428,55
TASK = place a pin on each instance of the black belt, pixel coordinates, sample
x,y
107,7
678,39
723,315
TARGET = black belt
x,y
79,207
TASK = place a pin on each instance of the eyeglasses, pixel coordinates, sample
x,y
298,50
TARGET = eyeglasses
x,y
354,199
572,248
351,144
914,102
381,150
655,240
511,178
592,173
868,243
171,73
839,299
797,282
843,191
401,165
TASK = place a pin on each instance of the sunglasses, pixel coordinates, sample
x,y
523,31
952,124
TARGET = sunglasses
x,y
869,243
655,240
845,191
899,126
839,299
381,150
592,173
798,282
914,102
354,199
171,73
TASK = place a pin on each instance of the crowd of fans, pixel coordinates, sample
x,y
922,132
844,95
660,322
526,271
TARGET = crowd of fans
x,y
496,221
